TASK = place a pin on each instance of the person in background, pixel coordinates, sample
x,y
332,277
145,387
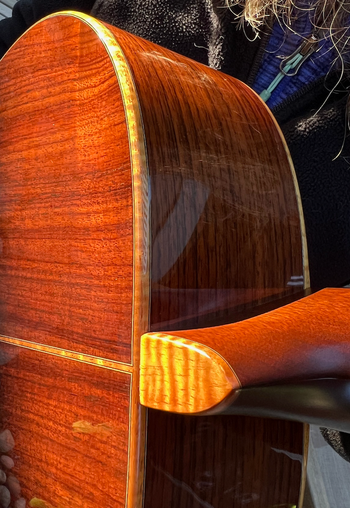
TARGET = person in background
x,y
296,56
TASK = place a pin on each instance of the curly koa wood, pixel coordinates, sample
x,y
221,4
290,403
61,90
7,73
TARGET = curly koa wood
x,y
307,339
181,375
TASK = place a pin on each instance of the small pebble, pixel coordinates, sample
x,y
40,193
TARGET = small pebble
x,y
20,503
5,497
14,486
6,441
7,461
2,476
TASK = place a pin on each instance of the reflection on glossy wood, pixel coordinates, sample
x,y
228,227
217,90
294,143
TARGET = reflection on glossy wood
x,y
307,339
225,236
69,422
224,207
222,462
71,212
213,240
66,228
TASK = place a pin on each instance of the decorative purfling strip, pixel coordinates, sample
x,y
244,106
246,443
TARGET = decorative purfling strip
x,y
69,355
138,159
140,300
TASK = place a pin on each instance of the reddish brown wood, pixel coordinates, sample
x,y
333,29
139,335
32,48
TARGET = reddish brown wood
x,y
225,227
66,227
307,339
66,213
207,141
222,462
70,425
68,231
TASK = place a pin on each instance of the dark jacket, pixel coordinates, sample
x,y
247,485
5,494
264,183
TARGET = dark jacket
x,y
206,32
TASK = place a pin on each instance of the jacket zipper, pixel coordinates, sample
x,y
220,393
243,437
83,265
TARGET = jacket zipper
x,y
291,64
297,95
260,54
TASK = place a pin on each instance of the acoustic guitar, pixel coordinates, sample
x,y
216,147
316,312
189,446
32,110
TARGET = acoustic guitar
x,y
141,193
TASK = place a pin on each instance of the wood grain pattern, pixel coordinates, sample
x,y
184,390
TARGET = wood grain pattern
x,y
182,376
224,208
66,227
212,242
307,339
73,203
70,425
76,225
222,462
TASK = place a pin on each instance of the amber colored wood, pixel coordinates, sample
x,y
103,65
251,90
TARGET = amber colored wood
x,y
70,424
82,245
307,339
182,376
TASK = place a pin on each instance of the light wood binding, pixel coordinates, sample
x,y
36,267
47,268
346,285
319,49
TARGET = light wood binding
x,y
90,261
307,339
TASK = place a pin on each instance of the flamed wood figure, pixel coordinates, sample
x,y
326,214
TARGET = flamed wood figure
x,y
132,203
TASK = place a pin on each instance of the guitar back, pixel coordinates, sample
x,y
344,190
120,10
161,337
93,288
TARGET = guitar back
x,y
139,191
68,307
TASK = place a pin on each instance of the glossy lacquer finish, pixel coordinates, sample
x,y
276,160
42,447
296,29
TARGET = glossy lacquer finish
x,y
225,236
66,227
225,222
222,462
71,153
307,339
209,222
65,425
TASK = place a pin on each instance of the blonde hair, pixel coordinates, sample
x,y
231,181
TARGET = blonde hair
x,y
330,15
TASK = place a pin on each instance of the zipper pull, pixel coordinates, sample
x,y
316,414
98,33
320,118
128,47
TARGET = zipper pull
x,y
296,59
291,64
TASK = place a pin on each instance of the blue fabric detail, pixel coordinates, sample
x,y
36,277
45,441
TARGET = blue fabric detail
x,y
283,43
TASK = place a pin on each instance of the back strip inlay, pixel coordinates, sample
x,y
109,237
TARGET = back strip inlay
x,y
70,355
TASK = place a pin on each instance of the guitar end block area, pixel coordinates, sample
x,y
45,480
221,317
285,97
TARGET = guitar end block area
x,y
181,376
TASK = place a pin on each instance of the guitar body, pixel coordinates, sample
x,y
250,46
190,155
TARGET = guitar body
x,y
140,191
